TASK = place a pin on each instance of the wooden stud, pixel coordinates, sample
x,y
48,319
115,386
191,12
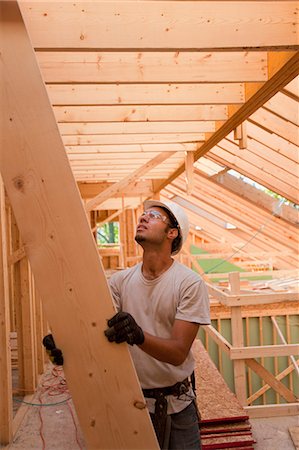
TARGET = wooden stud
x,y
291,378
249,375
288,371
278,386
5,355
238,340
124,183
283,340
189,161
26,330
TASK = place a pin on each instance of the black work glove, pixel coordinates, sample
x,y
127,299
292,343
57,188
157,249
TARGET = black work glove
x,y
55,354
123,328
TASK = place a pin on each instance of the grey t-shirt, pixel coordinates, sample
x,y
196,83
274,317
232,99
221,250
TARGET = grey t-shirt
x,y
179,293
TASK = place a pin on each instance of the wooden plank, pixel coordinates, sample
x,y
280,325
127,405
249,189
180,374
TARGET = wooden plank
x,y
5,356
161,25
266,387
237,340
189,161
127,113
17,255
284,409
260,94
271,380
264,350
134,148
118,187
63,254
141,138
146,94
26,331
277,125
116,67
90,190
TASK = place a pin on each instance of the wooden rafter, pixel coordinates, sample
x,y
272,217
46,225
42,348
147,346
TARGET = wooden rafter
x,y
281,78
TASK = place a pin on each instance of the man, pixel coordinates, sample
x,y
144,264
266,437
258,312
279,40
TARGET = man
x,y
160,305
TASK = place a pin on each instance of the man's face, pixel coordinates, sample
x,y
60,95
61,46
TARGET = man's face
x,y
153,226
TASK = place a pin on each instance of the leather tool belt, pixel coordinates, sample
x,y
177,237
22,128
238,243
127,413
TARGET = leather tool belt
x,y
160,415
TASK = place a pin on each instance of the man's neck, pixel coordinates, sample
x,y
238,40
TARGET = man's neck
x,y
155,264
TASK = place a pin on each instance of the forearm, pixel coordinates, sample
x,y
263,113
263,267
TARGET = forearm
x,y
167,350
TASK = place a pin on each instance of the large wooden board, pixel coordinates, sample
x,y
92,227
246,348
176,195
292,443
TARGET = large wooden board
x,y
62,252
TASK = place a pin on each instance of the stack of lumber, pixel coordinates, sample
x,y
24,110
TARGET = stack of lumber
x,y
224,422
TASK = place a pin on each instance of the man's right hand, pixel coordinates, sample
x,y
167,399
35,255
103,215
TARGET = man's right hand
x,y
55,354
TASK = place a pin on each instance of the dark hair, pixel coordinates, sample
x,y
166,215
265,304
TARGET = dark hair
x,y
173,224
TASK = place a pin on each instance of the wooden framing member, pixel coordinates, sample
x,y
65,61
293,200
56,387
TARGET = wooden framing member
x,y
272,381
189,161
294,362
251,299
264,350
5,354
247,356
240,134
119,186
284,409
282,72
69,277
237,339
263,389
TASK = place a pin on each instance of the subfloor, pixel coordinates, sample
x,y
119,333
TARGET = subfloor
x,y
54,425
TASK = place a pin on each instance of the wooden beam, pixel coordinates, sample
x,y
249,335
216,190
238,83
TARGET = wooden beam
x,y
17,255
281,410
5,355
90,190
116,67
62,253
146,94
264,350
271,380
218,338
124,183
77,117
161,25
257,197
266,387
141,138
262,94
189,161
237,340
133,148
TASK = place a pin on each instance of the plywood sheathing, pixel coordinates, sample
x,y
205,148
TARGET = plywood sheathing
x,y
215,400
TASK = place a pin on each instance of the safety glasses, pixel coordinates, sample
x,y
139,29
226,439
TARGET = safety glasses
x,y
154,215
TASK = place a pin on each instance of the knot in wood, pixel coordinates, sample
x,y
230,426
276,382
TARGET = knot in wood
x,y
139,405
18,183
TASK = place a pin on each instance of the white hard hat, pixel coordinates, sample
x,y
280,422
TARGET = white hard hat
x,y
180,216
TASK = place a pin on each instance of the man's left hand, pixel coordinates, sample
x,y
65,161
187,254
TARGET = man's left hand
x,y
123,328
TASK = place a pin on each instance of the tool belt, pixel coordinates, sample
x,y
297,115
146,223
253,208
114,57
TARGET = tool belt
x,y
177,389
159,418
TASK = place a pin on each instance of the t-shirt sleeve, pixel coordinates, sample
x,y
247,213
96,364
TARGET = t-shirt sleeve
x,y
114,289
194,304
